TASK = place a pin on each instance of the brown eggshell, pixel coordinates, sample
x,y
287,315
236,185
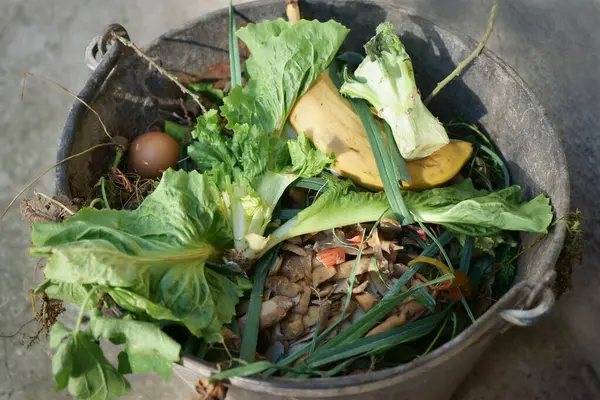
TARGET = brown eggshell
x,y
153,153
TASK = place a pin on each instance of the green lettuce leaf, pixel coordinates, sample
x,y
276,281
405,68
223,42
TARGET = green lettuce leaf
x,y
146,347
307,161
488,244
80,365
339,206
157,252
463,209
285,61
252,171
460,208
73,293
254,168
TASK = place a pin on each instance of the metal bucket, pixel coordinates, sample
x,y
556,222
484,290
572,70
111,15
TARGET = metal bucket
x,y
128,94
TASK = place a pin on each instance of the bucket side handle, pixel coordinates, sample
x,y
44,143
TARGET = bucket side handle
x,y
529,314
108,51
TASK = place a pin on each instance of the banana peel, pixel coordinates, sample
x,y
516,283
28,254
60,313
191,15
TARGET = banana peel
x,y
331,123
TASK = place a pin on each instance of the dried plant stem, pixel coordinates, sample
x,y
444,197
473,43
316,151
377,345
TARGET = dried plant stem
x,y
464,63
20,329
292,11
67,91
160,69
58,203
37,178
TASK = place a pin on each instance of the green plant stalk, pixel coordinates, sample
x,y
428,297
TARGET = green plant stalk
x,y
465,255
464,63
449,263
103,190
437,336
82,310
437,243
234,51
500,162
369,320
315,183
377,343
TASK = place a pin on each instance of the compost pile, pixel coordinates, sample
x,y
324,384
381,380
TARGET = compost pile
x,y
317,221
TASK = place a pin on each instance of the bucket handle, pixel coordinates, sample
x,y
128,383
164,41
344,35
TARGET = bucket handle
x,y
108,51
528,316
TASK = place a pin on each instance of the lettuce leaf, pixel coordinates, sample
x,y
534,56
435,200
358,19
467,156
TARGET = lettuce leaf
x,y
460,208
156,253
254,168
386,79
252,171
146,347
463,209
285,60
80,365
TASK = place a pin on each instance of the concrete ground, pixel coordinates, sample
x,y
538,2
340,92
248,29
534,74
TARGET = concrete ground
x,y
554,45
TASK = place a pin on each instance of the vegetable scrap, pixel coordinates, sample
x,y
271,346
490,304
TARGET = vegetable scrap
x,y
255,240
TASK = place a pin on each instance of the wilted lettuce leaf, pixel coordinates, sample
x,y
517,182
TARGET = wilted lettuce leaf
x,y
146,347
488,244
460,208
285,61
79,364
74,293
463,209
156,253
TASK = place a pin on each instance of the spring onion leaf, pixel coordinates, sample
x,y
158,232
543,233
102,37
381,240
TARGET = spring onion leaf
x,y
387,170
250,337
234,51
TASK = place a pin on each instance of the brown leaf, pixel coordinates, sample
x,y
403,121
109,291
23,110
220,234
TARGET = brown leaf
x,y
293,267
366,301
302,306
273,311
280,285
292,327
360,288
210,391
293,248
311,317
322,274
344,270
391,322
